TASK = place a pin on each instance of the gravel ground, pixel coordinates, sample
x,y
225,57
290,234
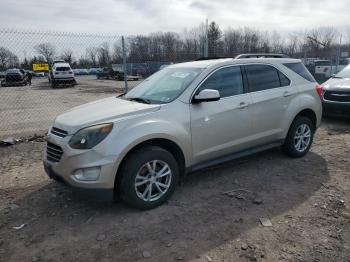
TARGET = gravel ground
x,y
307,201
25,110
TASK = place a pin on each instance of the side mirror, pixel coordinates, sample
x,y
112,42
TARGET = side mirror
x,y
206,95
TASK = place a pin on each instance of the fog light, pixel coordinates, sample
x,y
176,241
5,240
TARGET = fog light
x,y
87,174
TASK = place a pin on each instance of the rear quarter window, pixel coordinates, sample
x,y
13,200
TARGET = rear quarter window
x,y
262,77
301,70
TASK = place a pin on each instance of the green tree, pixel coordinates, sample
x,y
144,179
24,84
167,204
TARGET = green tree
x,y
215,45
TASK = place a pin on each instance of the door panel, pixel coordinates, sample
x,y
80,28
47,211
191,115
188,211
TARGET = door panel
x,y
220,128
270,100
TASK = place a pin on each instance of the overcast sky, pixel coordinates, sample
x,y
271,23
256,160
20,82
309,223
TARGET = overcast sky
x,y
144,16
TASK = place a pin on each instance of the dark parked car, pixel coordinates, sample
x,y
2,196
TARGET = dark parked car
x,y
109,73
15,77
336,94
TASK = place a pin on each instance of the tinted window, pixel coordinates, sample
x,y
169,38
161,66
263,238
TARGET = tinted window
x,y
344,62
63,68
322,63
228,81
284,80
262,77
301,70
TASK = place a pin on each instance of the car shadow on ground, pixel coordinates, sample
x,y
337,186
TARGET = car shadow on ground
x,y
200,216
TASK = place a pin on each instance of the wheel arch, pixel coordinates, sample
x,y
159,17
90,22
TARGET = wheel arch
x,y
164,143
309,113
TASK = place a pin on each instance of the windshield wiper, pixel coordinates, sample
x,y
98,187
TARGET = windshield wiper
x,y
121,95
140,99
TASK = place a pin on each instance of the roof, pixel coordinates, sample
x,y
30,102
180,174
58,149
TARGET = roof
x,y
228,61
61,65
201,63
13,71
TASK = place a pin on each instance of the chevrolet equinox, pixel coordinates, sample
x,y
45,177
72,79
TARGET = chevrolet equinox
x,y
183,118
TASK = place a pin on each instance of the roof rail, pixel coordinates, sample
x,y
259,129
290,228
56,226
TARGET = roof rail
x,y
212,58
261,55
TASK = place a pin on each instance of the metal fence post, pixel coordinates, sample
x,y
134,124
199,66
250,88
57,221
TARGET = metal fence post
x,y
124,66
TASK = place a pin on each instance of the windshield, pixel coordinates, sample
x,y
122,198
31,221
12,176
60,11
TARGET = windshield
x,y
345,73
165,85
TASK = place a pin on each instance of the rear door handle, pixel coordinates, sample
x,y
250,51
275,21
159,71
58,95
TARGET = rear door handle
x,y
286,94
242,105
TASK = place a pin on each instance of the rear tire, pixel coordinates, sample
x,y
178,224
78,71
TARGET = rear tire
x,y
299,138
149,177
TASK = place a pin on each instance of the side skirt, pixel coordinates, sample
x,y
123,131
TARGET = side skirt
x,y
233,156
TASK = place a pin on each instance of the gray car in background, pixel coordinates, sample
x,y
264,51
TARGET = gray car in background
x,y
183,118
336,94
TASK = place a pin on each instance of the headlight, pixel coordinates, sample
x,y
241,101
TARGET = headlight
x,y
89,137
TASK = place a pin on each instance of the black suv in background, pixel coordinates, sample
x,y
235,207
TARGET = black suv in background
x,y
15,77
109,73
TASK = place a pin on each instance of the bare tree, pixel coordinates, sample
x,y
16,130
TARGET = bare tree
x,y
47,50
321,39
7,58
91,53
67,56
104,58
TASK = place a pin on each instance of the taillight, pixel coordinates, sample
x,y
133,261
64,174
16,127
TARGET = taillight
x,y
319,90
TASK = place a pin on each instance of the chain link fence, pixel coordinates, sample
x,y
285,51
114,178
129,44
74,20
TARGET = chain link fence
x,y
31,96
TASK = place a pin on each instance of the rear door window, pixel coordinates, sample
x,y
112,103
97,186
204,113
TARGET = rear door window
x,y
301,70
262,77
228,81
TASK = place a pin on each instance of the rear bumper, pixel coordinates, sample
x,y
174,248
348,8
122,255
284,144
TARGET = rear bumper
x,y
94,194
64,80
336,109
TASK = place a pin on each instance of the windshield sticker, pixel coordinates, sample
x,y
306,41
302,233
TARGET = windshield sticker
x,y
180,74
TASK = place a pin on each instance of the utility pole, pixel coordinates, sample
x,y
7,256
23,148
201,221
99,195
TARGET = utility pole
x,y
338,53
206,41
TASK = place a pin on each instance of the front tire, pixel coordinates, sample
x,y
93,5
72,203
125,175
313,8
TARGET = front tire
x,y
299,138
149,177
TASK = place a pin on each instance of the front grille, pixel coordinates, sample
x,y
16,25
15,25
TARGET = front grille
x,y
58,132
53,152
337,96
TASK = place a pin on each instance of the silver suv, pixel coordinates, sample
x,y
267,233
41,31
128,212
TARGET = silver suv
x,y
183,118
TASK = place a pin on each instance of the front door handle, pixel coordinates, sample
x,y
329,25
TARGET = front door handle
x,y
242,105
286,94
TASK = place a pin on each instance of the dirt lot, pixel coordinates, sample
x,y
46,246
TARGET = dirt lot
x,y
307,200
28,109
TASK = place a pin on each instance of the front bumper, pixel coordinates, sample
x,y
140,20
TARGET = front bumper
x,y
72,160
95,194
336,109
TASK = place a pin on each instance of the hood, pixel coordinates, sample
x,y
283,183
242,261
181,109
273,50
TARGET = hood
x,y
100,111
340,84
